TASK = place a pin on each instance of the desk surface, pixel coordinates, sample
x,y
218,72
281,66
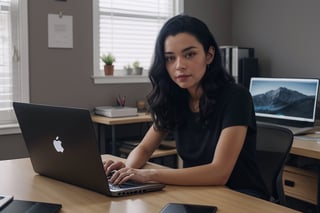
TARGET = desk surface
x,y
140,118
306,148
17,178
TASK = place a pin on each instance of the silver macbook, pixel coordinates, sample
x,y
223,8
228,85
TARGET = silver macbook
x,y
62,145
288,102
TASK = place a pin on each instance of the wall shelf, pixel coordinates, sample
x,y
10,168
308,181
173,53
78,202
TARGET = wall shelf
x,y
120,79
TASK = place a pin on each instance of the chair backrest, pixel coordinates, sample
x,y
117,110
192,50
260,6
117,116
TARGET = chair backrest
x,y
273,147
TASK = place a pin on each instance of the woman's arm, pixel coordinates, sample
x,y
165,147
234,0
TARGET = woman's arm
x,y
215,173
139,155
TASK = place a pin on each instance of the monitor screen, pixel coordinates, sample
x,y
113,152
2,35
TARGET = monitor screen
x,y
291,99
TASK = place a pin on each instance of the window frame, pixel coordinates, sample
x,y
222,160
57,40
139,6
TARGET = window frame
x,y
98,76
22,65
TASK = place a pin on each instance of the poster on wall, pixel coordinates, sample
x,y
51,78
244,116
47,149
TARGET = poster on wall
x,y
60,31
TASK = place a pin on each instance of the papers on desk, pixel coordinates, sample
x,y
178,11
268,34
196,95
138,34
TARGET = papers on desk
x,y
116,111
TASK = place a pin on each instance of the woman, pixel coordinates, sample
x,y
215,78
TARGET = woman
x,y
211,117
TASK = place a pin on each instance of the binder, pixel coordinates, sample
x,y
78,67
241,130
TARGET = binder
x,y
232,57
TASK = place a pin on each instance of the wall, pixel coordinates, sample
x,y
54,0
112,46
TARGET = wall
x,y
63,76
285,35
216,14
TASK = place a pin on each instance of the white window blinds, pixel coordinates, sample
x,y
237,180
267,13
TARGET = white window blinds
x,y
128,29
6,94
13,58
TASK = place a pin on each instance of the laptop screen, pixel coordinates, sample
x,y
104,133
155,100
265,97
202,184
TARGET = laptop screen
x,y
292,100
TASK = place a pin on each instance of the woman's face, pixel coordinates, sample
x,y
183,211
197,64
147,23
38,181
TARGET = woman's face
x,y
186,60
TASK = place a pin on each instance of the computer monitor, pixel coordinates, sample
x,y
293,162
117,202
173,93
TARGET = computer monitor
x,y
289,101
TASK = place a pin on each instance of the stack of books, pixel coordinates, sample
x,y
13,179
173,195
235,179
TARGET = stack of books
x,y
116,111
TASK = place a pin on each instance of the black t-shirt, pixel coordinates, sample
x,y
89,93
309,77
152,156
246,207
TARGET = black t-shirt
x,y
196,142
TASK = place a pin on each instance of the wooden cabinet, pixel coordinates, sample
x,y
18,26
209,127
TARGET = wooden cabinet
x,y
301,184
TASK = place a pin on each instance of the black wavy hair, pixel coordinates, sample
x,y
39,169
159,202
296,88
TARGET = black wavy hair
x,y
167,101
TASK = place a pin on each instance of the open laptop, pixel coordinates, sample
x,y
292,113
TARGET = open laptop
x,y
288,102
62,145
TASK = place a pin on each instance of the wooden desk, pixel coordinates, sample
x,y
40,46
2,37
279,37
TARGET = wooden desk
x,y
140,118
306,148
101,121
17,178
300,183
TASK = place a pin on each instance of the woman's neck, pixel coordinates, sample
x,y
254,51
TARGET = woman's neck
x,y
195,99
194,105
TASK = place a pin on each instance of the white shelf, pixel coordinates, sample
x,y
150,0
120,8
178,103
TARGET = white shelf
x,y
7,129
121,79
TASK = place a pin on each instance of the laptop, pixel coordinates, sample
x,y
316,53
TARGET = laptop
x,y
287,102
62,145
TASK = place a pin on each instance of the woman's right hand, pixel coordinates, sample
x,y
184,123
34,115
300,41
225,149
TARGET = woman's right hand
x,y
111,165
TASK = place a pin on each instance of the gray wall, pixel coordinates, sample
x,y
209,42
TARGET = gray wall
x,y
285,35
63,76
216,14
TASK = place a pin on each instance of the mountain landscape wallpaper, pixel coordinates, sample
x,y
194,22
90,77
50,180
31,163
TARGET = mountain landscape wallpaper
x,y
285,102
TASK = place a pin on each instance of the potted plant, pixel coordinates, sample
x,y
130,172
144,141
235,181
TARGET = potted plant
x,y
108,60
127,69
137,68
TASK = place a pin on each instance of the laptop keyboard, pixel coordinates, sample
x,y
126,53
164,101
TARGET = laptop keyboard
x,y
128,184
114,187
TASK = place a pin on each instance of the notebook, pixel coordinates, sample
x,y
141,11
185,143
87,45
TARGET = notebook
x,y
62,144
17,206
287,102
116,111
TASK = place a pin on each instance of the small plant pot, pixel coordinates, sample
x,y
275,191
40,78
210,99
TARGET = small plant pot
x,y
138,71
108,69
128,71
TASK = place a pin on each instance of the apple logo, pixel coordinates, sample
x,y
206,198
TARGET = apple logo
x,y
58,145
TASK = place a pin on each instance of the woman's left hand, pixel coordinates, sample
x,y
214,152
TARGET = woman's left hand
x,y
138,175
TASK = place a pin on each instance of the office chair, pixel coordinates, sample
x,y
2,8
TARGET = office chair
x,y
273,146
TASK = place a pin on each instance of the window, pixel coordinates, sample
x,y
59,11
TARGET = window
x,y
128,29
13,61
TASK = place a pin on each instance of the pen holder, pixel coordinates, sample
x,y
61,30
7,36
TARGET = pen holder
x,y
141,106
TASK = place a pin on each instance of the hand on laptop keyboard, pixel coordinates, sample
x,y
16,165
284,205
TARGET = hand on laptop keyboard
x,y
110,174
111,167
